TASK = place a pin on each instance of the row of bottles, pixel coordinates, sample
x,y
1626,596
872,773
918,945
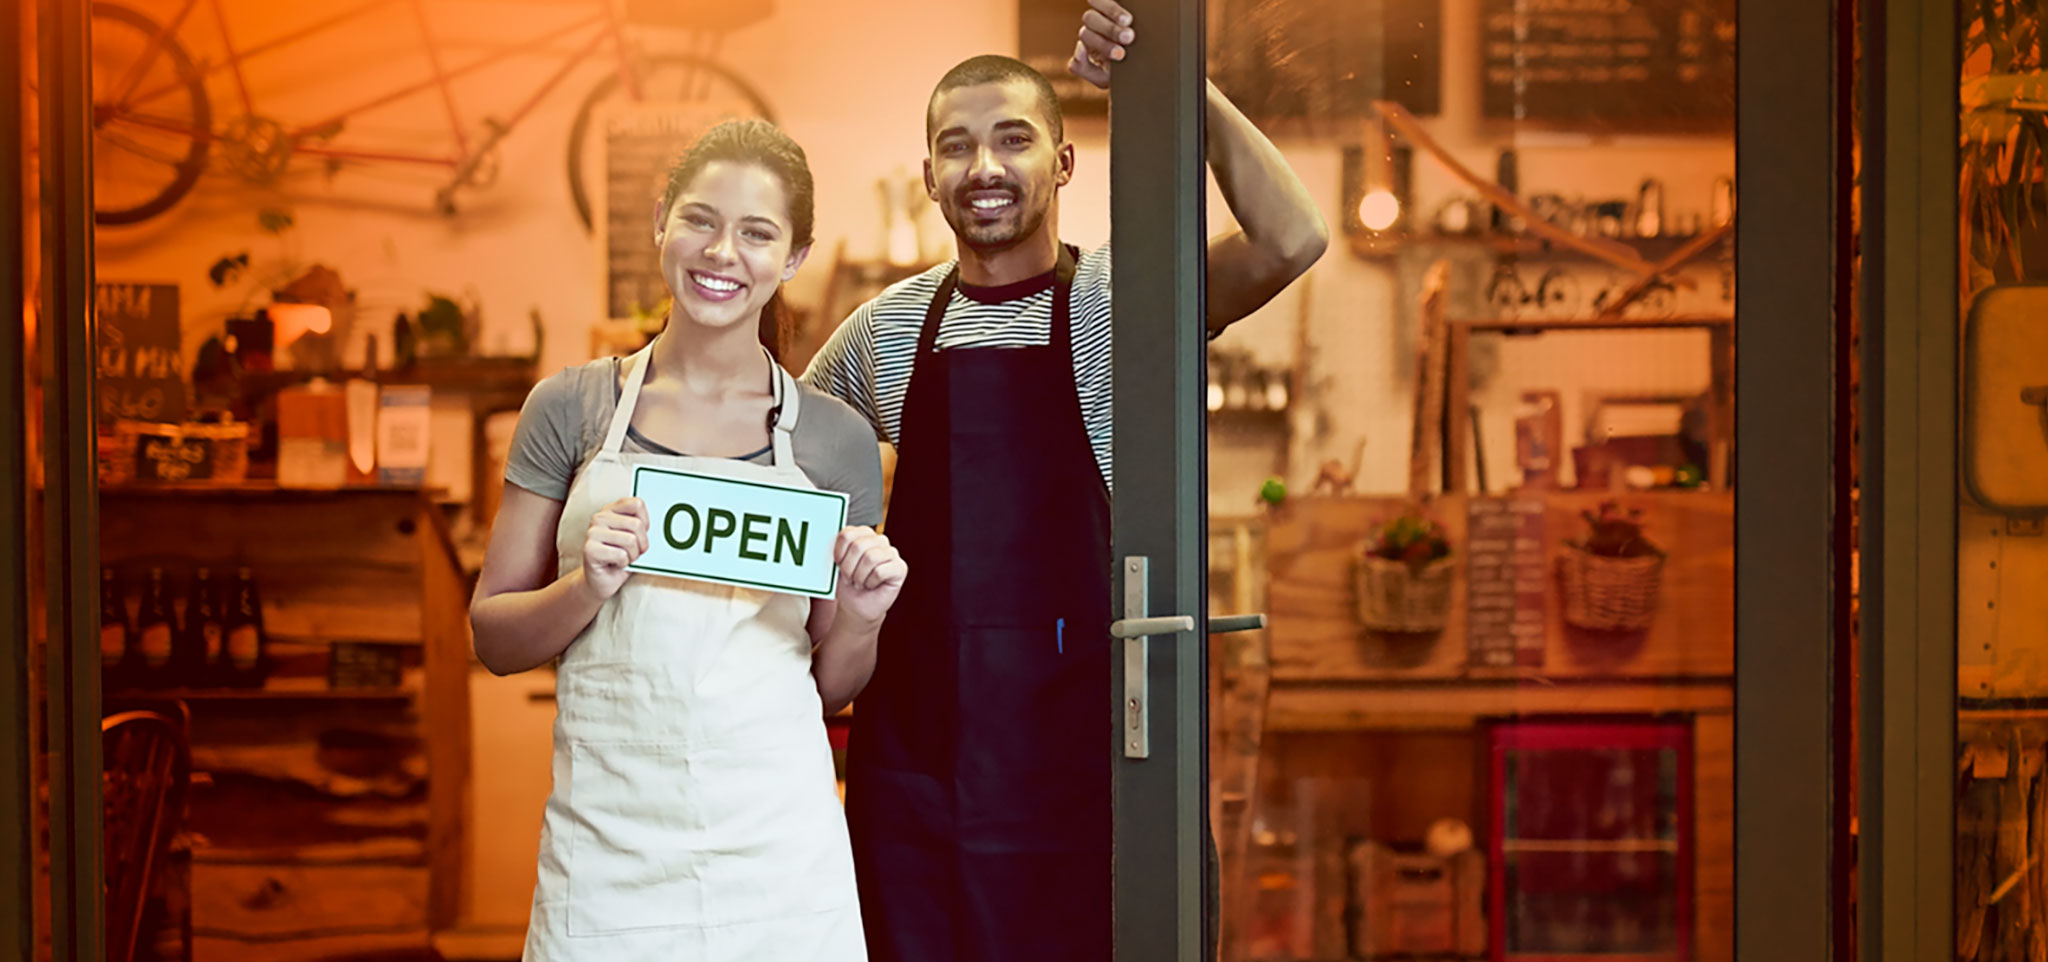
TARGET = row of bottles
x,y
218,643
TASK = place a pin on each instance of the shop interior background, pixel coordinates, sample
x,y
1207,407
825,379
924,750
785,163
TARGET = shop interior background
x,y
849,81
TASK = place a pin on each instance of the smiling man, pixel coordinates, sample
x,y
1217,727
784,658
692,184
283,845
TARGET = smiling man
x,y
979,781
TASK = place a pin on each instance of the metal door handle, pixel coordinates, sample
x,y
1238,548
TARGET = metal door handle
x,y
1229,623
1128,628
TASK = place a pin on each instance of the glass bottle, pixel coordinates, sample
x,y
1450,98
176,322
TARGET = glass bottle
x,y
154,632
117,635
200,645
242,662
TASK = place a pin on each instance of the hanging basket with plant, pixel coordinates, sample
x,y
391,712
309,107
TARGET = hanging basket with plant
x,y
1404,576
1610,577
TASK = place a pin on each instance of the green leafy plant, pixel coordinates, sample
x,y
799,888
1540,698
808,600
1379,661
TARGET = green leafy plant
x,y
1411,538
442,329
1612,532
230,268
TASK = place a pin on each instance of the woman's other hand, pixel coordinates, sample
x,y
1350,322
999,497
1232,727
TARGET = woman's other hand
x,y
871,574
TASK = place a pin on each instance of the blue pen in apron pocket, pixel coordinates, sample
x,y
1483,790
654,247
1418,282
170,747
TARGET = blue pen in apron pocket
x,y
1059,629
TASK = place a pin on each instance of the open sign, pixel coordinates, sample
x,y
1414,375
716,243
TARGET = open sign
x,y
738,532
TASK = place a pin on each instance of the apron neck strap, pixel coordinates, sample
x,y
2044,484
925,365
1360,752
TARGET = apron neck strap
x,y
629,397
786,401
781,385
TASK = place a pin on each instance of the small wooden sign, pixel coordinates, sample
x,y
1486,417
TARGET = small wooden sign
x,y
1506,587
140,349
357,665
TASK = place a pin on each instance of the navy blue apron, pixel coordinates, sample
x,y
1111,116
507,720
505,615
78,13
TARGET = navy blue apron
x,y
978,789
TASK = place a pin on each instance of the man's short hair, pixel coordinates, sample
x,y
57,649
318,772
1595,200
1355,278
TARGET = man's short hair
x,y
996,68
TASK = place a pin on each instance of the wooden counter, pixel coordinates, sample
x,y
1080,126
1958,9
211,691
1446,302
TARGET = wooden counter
x,y
325,821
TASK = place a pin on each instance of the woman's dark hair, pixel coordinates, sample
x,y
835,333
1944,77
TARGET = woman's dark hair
x,y
763,145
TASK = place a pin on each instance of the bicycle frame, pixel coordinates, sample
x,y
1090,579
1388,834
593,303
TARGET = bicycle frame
x,y
611,27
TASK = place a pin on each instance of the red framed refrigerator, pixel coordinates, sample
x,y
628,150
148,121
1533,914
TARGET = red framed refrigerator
x,y
1590,841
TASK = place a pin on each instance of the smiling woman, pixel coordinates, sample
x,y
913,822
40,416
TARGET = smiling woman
x,y
682,677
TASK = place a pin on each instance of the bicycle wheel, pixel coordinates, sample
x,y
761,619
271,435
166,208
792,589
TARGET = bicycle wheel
x,y
664,79
151,130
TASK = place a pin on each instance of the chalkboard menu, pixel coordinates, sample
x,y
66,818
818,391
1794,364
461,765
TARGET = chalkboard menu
x,y
140,350
641,143
1610,65
1506,583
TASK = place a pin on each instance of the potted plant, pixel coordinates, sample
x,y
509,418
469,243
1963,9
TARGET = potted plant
x,y
1404,576
1610,576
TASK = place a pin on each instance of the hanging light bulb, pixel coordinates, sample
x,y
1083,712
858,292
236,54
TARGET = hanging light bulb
x,y
1379,209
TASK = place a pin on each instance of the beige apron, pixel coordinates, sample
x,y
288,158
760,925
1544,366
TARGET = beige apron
x,y
693,815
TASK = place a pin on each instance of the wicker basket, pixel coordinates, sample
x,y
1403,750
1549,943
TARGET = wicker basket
x,y
1394,596
1609,594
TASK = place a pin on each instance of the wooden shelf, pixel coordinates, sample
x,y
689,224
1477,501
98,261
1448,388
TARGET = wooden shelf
x,y
1572,846
268,693
380,851
249,489
1434,706
1542,325
1387,245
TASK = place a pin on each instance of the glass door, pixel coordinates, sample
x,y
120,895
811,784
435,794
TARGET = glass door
x,y
1531,515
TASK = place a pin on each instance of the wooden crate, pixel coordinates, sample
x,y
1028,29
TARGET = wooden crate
x,y
1414,903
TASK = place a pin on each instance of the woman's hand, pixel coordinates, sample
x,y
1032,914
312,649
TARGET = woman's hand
x,y
617,537
871,574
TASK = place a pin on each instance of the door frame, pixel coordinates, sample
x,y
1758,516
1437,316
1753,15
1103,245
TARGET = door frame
x,y
1159,180
17,802
1911,335
1787,57
66,708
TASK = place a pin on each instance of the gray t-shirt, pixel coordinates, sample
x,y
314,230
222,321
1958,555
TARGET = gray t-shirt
x,y
565,417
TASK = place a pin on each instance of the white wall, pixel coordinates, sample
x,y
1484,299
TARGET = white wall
x,y
849,81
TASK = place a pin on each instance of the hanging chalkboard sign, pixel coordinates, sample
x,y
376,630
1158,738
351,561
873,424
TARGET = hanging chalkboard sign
x,y
1610,65
140,352
641,142
1506,596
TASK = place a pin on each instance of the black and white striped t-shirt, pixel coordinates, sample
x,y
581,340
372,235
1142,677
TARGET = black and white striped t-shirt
x,y
867,361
